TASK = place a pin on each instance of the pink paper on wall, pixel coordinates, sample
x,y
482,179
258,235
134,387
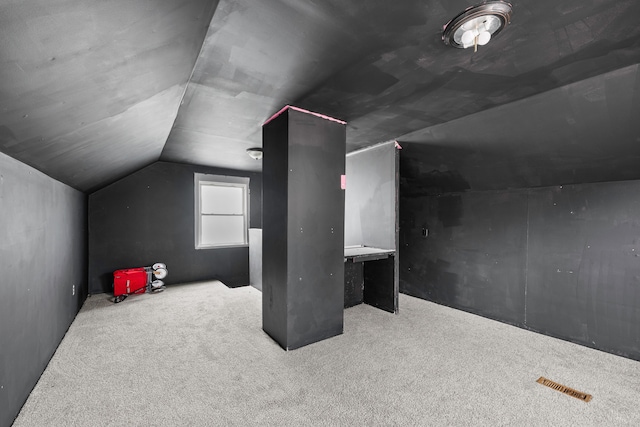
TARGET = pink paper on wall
x,y
343,182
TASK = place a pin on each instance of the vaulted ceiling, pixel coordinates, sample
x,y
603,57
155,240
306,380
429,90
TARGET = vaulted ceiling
x,y
93,90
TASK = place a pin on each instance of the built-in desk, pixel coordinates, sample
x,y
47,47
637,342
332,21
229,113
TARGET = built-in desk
x,y
369,277
366,253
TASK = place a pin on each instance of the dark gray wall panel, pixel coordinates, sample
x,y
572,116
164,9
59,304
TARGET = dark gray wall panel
x,y
563,261
473,256
148,217
584,267
315,228
43,229
370,197
274,229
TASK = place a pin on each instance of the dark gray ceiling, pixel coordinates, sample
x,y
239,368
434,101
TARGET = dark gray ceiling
x,y
89,89
588,131
93,90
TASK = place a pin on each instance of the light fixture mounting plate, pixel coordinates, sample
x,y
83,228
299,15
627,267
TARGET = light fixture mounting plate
x,y
497,14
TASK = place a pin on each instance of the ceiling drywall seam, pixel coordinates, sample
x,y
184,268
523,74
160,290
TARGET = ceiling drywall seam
x,y
372,146
193,69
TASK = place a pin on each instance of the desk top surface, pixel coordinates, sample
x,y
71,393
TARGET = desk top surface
x,y
355,251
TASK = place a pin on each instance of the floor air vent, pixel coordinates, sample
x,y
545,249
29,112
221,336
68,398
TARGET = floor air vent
x,y
564,389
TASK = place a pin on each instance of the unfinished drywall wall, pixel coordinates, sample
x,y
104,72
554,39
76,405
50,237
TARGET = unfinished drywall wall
x,y
466,251
564,261
43,281
583,276
148,217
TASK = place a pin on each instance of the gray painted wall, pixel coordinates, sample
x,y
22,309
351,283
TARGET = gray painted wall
x,y
42,257
370,197
563,261
148,217
255,258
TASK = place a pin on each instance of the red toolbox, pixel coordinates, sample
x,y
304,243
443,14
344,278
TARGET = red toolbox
x,y
138,281
130,281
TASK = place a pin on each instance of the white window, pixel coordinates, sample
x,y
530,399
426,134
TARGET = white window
x,y
222,210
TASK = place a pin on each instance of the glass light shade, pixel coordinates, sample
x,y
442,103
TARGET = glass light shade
x,y
484,37
255,153
482,25
467,38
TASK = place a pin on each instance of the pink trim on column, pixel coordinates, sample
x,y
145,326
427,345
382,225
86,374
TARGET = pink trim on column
x,y
322,116
285,108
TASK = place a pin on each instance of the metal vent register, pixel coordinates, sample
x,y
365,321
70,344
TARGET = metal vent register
x,y
564,389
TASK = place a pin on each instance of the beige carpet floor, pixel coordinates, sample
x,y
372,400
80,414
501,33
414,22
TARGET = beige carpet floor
x,y
195,355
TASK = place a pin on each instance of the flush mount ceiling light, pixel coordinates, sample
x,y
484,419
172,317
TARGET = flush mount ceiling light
x,y
255,153
477,25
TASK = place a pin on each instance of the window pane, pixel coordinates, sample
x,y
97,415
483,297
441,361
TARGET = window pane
x,y
222,230
221,199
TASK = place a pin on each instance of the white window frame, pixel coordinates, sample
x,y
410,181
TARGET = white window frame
x,y
201,179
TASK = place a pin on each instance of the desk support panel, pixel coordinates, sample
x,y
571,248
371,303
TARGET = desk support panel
x,y
353,283
379,289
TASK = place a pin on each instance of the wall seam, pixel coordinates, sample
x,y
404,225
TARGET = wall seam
x,y
526,257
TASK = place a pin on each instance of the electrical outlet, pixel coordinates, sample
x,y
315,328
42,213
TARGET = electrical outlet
x,y
73,290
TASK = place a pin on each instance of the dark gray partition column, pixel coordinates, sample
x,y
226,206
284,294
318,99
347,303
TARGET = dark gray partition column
x,y
303,227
